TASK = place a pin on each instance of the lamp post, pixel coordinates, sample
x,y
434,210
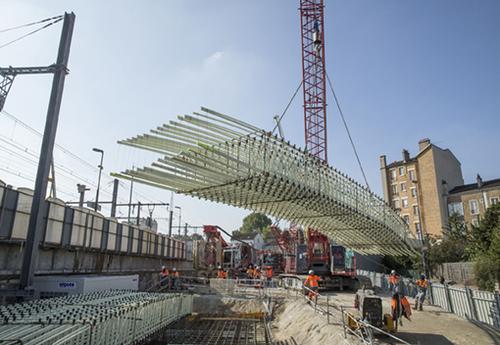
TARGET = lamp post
x,y
420,228
99,180
179,231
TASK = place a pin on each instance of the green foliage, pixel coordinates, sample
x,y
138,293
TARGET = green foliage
x,y
486,271
256,222
193,237
392,262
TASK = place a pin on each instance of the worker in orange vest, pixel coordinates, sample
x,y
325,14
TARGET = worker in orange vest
x,y
313,282
164,276
256,273
269,274
220,273
394,282
422,286
250,272
175,278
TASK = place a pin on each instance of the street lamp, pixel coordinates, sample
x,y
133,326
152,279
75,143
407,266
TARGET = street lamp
x,y
179,231
99,180
420,228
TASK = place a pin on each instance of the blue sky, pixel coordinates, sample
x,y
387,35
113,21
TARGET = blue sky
x,y
402,71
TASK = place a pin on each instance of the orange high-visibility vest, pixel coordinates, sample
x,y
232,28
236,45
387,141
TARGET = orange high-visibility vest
x,y
312,280
423,283
250,272
394,280
269,273
164,272
175,274
220,274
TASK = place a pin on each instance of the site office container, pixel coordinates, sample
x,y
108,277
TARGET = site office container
x,y
55,222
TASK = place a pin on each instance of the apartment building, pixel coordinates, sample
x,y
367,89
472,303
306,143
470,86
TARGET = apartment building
x,y
414,186
471,201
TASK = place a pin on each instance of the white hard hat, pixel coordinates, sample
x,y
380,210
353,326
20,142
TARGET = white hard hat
x,y
393,272
220,267
174,269
311,272
162,267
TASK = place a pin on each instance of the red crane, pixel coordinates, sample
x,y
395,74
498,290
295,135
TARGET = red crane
x,y
313,70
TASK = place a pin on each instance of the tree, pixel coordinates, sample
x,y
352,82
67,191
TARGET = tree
x,y
255,222
485,244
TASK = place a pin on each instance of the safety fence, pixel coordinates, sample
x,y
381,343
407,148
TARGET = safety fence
x,y
111,317
477,305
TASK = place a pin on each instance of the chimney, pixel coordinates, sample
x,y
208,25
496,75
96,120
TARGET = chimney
x,y
406,156
422,144
479,181
383,162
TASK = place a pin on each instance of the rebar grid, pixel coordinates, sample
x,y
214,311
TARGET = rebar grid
x,y
221,329
109,317
215,157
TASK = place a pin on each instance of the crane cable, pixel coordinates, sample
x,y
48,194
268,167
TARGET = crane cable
x,y
55,20
347,129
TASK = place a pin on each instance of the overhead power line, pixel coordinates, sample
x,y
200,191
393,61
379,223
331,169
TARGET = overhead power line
x,y
33,32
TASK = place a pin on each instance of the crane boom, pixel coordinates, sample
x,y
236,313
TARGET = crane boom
x,y
313,69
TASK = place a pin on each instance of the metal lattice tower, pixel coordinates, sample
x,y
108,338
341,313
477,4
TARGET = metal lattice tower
x,y
218,158
313,69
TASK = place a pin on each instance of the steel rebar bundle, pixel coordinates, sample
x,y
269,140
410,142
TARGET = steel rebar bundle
x,y
216,157
109,317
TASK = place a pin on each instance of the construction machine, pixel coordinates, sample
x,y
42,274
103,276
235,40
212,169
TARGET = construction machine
x,y
335,265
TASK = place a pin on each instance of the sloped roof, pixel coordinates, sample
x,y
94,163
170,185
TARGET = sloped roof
x,y
398,163
473,186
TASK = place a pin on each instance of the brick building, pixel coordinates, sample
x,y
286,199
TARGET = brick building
x,y
472,200
419,183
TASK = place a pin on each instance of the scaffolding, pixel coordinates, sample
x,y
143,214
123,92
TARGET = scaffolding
x,y
109,317
215,157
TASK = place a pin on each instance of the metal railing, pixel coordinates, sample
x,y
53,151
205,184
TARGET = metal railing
x,y
473,304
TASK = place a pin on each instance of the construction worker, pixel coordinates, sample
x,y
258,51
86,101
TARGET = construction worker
x,y
220,273
175,278
313,282
394,282
422,286
163,276
256,273
250,272
269,274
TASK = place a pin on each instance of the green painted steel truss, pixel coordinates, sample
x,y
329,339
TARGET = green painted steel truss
x,y
218,158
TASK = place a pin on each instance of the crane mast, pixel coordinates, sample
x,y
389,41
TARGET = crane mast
x,y
313,70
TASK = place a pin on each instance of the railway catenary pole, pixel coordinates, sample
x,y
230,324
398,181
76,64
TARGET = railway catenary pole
x,y
36,215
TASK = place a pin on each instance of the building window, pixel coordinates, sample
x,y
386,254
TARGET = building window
x,y
414,192
455,207
417,229
474,208
493,201
475,222
401,171
415,209
394,189
404,201
403,187
396,204
406,218
412,175
393,174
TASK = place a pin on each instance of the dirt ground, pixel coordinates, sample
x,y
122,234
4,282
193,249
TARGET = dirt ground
x,y
432,326
296,323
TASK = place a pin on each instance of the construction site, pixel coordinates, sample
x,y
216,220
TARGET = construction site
x,y
70,275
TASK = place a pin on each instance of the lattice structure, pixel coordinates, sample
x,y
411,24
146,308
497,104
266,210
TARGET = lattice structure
x,y
215,157
108,317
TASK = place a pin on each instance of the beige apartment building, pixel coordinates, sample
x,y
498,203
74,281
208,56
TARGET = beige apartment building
x,y
419,183
471,201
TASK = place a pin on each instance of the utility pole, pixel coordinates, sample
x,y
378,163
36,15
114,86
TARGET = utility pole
x,y
36,222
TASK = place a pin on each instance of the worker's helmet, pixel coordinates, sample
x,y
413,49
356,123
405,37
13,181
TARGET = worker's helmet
x,y
311,272
393,272
162,267
174,269
220,267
